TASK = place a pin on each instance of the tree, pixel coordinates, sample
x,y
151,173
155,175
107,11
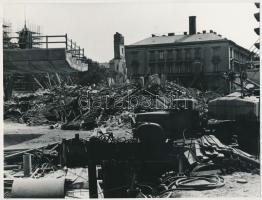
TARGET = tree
x,y
95,74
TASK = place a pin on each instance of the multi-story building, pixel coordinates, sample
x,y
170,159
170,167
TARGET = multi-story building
x,y
195,59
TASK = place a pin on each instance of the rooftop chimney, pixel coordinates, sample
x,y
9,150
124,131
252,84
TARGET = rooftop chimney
x,y
192,25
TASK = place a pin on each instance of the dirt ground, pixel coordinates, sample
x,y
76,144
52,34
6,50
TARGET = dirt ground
x,y
21,136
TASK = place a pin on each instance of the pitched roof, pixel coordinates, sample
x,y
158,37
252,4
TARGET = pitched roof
x,y
178,39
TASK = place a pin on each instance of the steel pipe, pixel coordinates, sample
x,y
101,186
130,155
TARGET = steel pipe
x,y
38,188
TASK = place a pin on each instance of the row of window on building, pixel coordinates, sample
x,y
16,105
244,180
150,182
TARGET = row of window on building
x,y
170,54
186,67
237,55
183,67
178,54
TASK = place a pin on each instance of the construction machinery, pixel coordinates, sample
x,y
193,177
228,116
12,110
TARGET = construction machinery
x,y
238,114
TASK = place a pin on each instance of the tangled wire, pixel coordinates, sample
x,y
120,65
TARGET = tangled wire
x,y
110,138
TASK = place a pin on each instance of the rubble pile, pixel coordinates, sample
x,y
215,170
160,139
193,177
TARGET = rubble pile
x,y
76,107
181,92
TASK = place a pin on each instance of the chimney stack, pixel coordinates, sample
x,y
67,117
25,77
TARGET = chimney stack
x,y
192,25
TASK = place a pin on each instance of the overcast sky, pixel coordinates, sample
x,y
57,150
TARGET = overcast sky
x,y
92,25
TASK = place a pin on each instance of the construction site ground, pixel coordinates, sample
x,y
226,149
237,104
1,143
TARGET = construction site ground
x,y
21,136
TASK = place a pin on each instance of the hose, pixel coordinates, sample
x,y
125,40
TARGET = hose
x,y
214,181
183,183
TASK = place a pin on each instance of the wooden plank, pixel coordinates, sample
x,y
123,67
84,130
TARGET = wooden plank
x,y
211,141
92,179
220,155
35,172
190,157
219,144
37,81
208,153
27,151
242,152
198,150
205,142
10,167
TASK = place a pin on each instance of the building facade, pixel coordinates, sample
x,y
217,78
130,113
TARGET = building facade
x,y
195,59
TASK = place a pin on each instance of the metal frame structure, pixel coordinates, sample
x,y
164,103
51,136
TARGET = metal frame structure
x,y
69,45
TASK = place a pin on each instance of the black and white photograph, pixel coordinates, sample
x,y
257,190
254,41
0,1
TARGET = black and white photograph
x,y
131,99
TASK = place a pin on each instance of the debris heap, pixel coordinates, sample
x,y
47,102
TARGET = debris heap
x,y
77,107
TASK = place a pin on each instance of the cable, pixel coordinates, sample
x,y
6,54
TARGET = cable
x,y
214,182
183,183
145,186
